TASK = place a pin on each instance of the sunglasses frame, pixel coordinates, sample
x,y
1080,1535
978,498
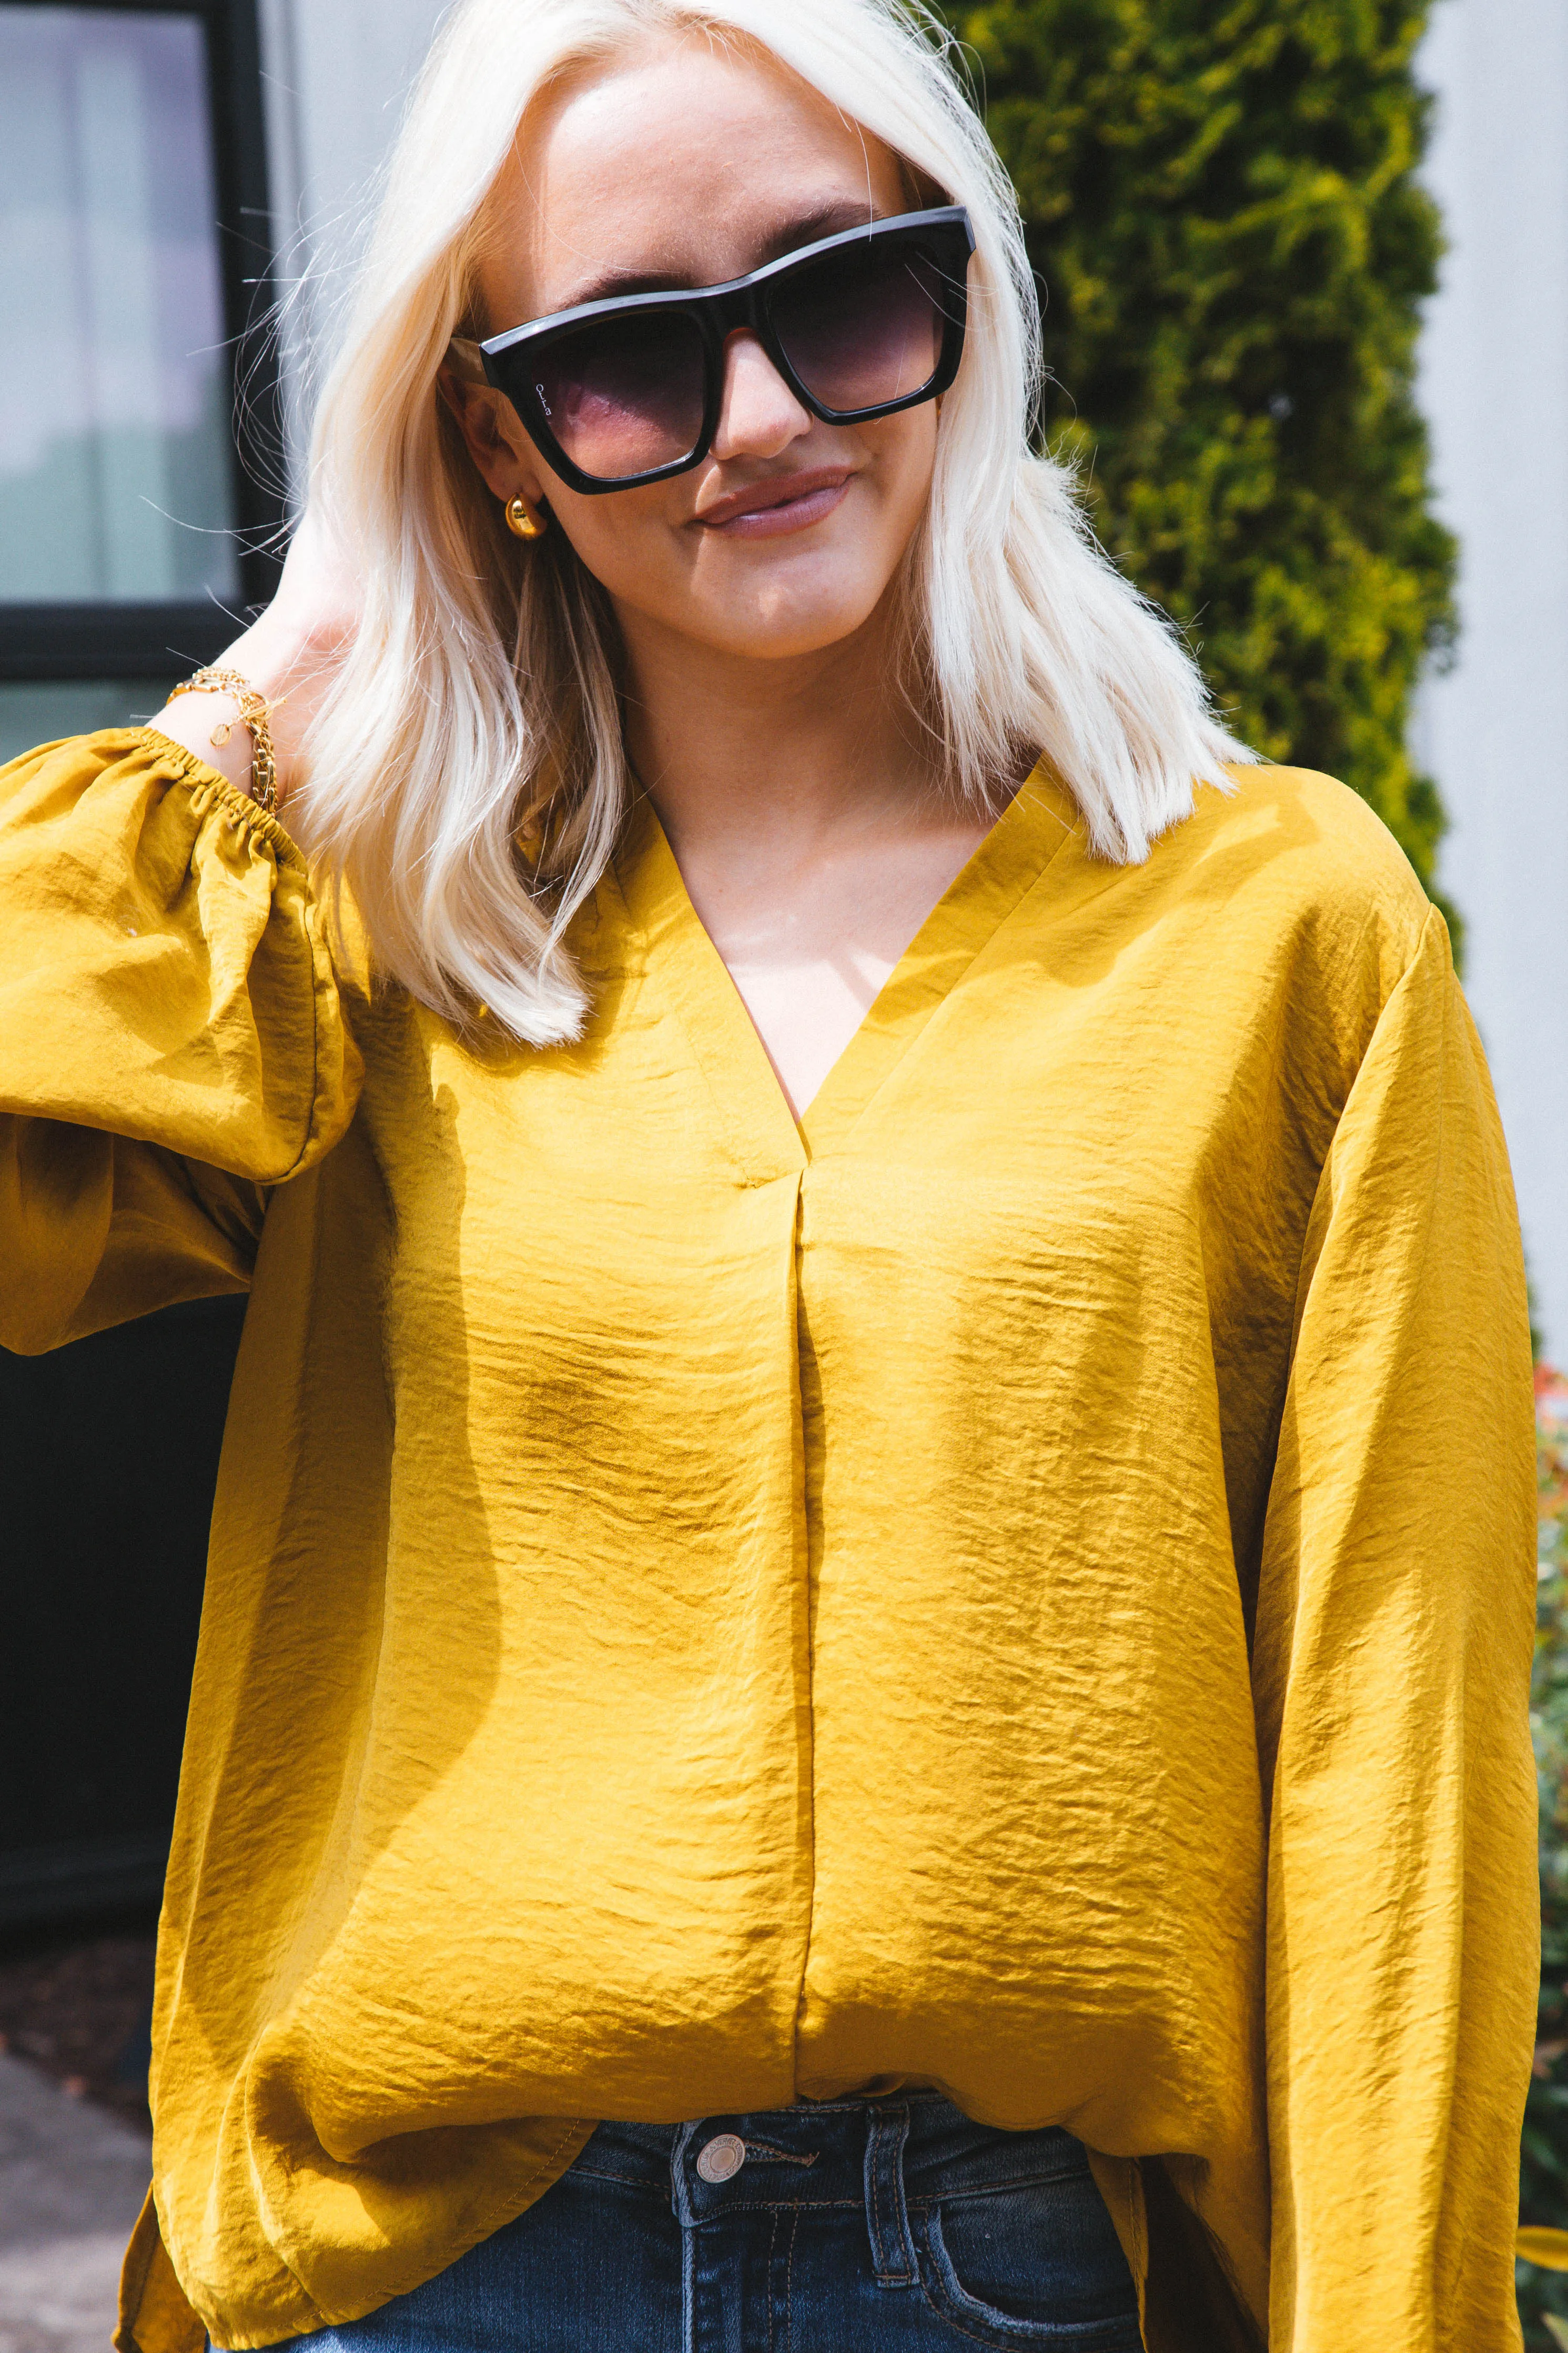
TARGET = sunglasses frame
x,y
717,312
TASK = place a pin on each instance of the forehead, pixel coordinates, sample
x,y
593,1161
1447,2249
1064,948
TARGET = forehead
x,y
680,161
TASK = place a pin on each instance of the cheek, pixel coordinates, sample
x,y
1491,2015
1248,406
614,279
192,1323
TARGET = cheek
x,y
906,463
618,540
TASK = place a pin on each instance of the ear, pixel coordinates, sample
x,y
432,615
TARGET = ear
x,y
494,437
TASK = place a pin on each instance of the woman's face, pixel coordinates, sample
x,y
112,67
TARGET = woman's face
x,y
681,166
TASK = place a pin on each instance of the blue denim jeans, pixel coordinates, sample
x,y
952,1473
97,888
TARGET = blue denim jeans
x,y
846,2226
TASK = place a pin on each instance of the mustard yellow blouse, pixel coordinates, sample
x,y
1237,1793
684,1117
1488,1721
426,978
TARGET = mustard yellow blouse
x,y
1023,1580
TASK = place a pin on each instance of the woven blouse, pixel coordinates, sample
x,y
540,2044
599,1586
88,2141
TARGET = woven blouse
x,y
1021,1580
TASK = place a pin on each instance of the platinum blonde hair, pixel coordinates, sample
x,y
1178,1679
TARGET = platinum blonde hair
x,y
478,706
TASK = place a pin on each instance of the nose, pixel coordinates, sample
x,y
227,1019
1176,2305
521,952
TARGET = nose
x,y
759,416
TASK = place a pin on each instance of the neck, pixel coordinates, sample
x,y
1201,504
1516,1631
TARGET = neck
x,y
758,761
809,833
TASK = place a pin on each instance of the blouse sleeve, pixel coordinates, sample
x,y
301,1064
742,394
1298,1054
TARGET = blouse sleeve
x,y
173,1040
1393,1665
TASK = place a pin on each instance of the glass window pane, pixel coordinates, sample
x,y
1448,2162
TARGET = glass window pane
x,y
116,476
40,714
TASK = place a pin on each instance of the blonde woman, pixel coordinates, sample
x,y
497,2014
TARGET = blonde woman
x,y
863,1679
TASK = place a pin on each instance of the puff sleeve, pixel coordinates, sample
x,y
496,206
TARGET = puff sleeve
x,y
173,1033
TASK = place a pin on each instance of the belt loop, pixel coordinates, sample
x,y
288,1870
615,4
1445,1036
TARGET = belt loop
x,y
680,2188
886,2216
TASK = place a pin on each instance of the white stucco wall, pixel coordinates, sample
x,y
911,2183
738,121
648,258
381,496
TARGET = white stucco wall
x,y
1495,732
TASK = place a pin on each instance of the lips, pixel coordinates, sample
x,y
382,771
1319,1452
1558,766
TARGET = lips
x,y
781,502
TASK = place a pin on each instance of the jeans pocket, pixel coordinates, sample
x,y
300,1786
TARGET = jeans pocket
x,y
1034,2263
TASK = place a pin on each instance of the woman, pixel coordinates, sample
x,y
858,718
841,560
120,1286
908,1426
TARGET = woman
x,y
863,1677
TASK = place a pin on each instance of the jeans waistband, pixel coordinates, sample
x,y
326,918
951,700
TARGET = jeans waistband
x,y
826,2153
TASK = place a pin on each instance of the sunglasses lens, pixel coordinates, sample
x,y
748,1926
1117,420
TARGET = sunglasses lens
x,y
864,325
624,395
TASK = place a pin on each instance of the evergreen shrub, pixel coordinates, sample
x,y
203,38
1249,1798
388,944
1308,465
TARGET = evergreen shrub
x,y
1223,208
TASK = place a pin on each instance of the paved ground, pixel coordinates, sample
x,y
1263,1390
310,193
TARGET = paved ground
x,y
71,2183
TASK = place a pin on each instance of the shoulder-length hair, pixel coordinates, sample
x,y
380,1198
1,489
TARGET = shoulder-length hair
x,y
466,774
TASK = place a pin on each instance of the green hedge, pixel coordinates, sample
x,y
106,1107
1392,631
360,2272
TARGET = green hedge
x,y
1222,207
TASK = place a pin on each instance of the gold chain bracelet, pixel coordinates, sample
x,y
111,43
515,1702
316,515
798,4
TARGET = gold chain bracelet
x,y
254,711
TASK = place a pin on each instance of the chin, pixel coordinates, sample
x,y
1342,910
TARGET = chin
x,y
775,629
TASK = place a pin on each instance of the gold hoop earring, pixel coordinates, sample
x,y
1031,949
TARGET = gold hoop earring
x,y
523,519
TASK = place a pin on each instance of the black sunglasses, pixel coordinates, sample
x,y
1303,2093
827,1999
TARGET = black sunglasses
x,y
628,390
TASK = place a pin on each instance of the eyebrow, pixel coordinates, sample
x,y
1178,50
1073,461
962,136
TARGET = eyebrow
x,y
824,220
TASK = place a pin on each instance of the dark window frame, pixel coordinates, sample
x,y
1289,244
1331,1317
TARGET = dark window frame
x,y
52,642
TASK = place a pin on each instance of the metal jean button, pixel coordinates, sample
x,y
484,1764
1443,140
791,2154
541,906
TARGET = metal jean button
x,y
722,2159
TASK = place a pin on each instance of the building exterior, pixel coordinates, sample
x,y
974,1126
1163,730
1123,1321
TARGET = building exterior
x,y
108,261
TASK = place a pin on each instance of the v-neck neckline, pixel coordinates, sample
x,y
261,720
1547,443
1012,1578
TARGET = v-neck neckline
x,y
752,1105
